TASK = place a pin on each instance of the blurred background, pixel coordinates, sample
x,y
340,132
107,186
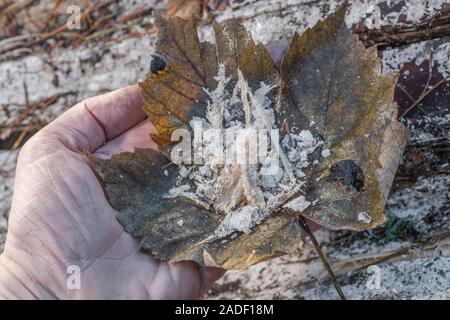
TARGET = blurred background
x,y
55,53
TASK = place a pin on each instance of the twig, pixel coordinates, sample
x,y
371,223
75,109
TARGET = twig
x,y
430,71
427,245
21,137
424,95
25,90
436,27
27,128
443,130
13,8
15,47
84,15
265,11
322,256
136,13
51,16
33,107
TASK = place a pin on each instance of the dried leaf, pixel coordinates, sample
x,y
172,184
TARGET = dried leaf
x,y
329,86
332,80
184,8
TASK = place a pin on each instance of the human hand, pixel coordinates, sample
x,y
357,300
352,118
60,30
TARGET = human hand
x,y
60,216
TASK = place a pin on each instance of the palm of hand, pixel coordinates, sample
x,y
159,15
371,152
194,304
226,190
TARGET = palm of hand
x,y
60,216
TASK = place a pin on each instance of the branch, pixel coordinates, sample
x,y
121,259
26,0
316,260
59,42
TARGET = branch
x,y
432,246
304,225
436,27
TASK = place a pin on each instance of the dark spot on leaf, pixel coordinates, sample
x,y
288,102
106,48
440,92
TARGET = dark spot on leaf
x,y
157,64
348,173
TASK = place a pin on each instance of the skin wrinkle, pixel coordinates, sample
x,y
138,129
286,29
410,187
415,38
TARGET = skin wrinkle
x,y
139,282
100,256
125,101
13,290
171,273
89,195
28,202
52,232
88,204
201,288
95,259
137,137
58,140
82,261
48,285
31,153
52,215
58,213
99,137
33,156
175,270
9,271
47,291
126,257
156,273
134,250
80,135
36,229
165,270
75,201
46,257
85,104
49,175
152,279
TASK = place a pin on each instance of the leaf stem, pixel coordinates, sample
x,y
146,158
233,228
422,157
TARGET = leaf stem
x,y
322,256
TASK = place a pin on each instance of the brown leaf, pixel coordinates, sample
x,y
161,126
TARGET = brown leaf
x,y
191,66
329,86
184,8
172,229
332,81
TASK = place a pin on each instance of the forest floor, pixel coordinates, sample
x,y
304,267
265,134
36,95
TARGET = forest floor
x,y
45,68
